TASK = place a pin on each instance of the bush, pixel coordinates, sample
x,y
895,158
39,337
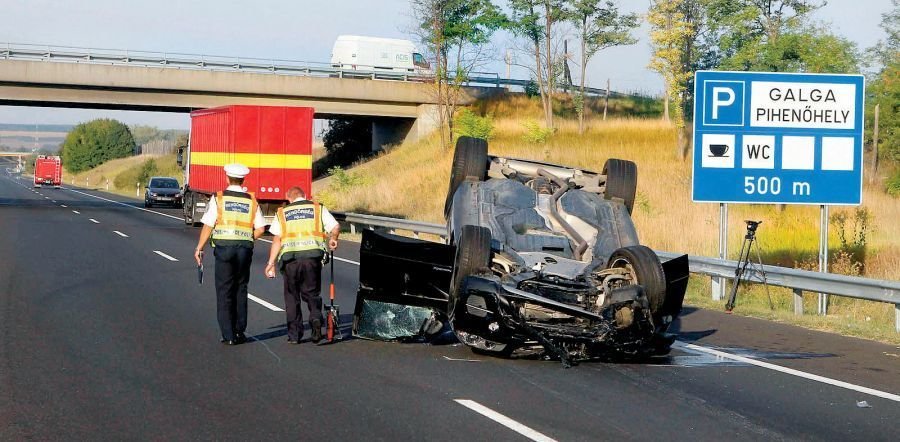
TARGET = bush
x,y
531,89
139,173
348,140
535,133
892,186
91,144
468,124
342,180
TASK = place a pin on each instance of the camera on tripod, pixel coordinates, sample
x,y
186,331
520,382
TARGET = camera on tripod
x,y
744,262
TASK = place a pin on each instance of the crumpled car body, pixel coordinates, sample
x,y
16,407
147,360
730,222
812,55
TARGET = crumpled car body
x,y
543,261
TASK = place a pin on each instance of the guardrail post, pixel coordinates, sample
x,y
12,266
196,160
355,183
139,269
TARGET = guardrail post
x,y
897,318
137,191
107,184
353,228
798,302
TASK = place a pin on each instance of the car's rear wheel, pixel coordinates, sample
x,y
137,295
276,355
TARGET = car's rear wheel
x,y
473,254
469,160
621,181
645,267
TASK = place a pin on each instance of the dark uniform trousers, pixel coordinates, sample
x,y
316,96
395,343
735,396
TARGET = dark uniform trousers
x,y
232,276
302,281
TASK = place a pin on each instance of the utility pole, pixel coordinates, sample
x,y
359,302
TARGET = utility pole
x,y
606,101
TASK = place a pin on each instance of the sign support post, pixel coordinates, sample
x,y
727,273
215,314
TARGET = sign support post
x,y
823,254
719,283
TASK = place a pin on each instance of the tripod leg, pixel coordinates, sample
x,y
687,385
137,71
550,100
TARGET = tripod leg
x,y
738,274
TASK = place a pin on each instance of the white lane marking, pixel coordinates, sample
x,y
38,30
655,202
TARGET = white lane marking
x,y
52,201
46,197
94,221
505,421
120,234
63,205
164,255
126,205
265,303
793,372
76,212
461,360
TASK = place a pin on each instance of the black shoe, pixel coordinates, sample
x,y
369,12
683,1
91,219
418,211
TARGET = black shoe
x,y
293,341
316,327
240,338
230,342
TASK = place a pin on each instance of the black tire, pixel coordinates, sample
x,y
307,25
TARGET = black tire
x,y
469,160
647,270
147,203
473,254
187,210
621,181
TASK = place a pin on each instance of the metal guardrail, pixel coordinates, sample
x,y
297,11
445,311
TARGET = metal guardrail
x,y
71,54
798,281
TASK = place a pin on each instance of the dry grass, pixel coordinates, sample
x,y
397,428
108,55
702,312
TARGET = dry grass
x,y
410,181
98,177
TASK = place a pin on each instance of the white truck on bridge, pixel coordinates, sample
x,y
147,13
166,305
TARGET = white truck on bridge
x,y
354,52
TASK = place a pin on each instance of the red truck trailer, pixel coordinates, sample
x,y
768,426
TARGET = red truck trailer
x,y
47,171
275,142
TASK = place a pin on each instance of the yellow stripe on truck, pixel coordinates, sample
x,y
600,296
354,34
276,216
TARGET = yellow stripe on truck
x,y
253,160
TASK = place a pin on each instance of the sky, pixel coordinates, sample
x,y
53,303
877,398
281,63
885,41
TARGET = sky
x,y
303,30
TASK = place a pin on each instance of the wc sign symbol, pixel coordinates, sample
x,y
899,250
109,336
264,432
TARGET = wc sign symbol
x,y
724,103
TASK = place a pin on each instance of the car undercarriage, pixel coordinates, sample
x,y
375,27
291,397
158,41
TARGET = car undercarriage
x,y
542,261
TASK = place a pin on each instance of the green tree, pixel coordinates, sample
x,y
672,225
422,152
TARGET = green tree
x,y
348,139
93,143
600,26
884,90
536,22
669,31
456,32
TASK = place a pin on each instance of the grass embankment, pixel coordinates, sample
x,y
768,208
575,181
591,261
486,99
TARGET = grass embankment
x,y
410,181
123,174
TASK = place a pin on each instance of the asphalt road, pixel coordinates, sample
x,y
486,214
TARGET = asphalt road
x,y
105,338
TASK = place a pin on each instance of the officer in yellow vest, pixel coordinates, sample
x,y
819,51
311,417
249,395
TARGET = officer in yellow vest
x,y
234,221
303,231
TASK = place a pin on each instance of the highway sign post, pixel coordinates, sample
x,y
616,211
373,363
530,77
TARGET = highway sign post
x,y
778,138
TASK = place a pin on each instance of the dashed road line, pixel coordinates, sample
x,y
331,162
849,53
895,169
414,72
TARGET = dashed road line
x,y
94,221
63,205
165,256
120,234
265,303
507,422
76,212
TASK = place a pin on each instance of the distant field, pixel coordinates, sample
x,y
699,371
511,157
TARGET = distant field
x,y
127,171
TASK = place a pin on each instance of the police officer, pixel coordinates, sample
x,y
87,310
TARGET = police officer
x,y
303,229
233,220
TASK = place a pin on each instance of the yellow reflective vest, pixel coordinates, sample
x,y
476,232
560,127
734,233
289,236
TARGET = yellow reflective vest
x,y
234,225
302,231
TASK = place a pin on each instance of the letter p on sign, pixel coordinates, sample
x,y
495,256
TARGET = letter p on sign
x,y
723,103
718,93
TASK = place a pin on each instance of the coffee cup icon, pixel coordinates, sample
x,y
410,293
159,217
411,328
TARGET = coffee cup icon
x,y
718,150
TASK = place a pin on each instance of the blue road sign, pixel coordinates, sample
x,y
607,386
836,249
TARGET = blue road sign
x,y
773,138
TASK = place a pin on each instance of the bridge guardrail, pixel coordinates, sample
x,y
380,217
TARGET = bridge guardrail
x,y
798,281
71,54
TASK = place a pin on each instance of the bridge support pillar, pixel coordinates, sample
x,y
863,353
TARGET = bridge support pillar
x,y
387,131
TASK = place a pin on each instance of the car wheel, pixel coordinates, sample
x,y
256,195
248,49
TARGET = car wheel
x,y
621,181
146,203
646,270
469,160
473,253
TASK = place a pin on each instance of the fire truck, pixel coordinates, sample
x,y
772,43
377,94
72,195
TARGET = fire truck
x,y
47,171
275,142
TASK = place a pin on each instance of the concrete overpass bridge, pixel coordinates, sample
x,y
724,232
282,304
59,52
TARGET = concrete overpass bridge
x,y
401,109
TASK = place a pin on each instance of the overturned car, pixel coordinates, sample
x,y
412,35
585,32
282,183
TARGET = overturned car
x,y
543,260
